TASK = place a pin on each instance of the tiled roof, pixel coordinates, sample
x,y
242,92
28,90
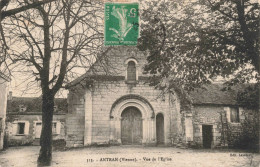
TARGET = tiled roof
x,y
33,104
214,94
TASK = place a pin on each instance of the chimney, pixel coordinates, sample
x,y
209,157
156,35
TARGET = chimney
x,y
10,96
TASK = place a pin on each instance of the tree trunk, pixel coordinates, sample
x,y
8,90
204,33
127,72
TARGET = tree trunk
x,y
45,154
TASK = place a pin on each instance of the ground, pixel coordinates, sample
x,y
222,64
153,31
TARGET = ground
x,y
131,156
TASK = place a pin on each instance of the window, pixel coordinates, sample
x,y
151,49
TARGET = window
x,y
131,71
54,127
22,108
20,128
55,108
234,115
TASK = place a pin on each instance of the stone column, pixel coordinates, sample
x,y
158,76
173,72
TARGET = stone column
x,y
145,131
112,129
118,129
88,117
153,132
188,127
148,130
167,127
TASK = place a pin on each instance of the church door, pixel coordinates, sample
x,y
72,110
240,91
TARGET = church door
x,y
131,126
160,129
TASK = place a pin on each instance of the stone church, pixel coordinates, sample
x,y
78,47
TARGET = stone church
x,y
112,103
120,108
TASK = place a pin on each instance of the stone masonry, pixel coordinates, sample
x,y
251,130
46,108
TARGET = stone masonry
x,y
95,108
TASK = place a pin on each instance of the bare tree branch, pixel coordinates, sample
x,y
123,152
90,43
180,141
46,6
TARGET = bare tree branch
x,y
11,12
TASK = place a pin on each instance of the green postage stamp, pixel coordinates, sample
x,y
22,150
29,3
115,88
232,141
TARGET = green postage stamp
x,y
121,23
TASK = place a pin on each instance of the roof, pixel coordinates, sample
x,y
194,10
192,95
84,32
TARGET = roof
x,y
214,94
110,64
33,104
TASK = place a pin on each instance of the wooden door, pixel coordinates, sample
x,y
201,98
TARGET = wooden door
x,y
131,126
160,129
207,135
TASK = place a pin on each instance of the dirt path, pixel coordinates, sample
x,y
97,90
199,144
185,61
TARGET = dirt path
x,y
130,157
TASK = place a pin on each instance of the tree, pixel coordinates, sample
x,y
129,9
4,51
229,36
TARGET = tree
x,y
6,12
191,43
51,43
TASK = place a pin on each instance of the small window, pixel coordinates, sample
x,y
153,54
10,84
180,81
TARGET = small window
x,y
131,71
22,108
234,115
55,108
54,127
20,128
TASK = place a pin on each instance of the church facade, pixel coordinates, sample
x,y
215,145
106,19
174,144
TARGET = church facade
x,y
121,108
113,104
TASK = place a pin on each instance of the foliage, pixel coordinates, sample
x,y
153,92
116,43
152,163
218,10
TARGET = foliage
x,y
49,44
191,43
249,98
248,138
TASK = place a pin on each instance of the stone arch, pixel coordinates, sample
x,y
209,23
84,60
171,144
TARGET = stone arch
x,y
131,59
128,60
132,100
147,112
160,129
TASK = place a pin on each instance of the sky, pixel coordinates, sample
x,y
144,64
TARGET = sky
x,y
24,85
19,87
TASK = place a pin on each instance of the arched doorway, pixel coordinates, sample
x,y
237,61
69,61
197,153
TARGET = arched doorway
x,y
160,128
131,126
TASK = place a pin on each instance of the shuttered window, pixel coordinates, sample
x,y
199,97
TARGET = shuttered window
x,y
55,128
20,128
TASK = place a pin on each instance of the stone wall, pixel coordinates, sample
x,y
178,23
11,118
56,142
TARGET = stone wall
x,y
176,131
244,135
207,115
3,106
89,119
75,122
225,133
30,120
103,95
